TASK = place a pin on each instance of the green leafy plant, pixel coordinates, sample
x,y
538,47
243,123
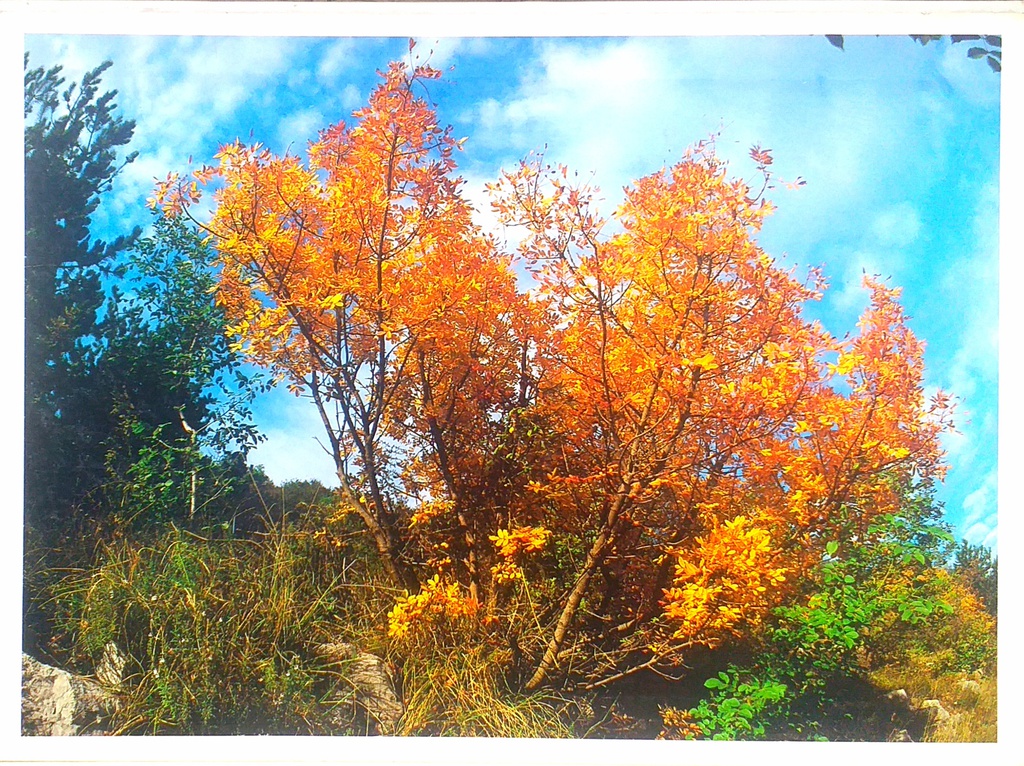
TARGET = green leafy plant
x,y
740,706
737,706
864,597
867,603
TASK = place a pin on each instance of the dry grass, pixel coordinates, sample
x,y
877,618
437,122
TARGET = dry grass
x,y
459,691
218,633
970,698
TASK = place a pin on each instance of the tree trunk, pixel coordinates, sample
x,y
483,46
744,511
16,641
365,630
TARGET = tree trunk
x,y
594,558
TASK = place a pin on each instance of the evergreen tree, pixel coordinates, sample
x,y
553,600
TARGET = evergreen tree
x,y
72,140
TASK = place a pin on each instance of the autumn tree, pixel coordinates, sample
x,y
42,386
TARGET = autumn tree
x,y
712,440
361,278
644,439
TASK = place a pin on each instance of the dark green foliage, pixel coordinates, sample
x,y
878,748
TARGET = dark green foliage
x,y
72,138
177,389
136,408
134,398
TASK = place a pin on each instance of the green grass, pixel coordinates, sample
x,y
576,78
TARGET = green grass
x,y
219,633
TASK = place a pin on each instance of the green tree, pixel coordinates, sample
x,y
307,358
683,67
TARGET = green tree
x,y
132,391
72,140
177,388
136,407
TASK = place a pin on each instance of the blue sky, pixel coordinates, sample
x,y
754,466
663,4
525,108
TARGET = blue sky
x,y
898,144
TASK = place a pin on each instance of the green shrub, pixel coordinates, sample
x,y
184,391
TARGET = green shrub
x,y
964,638
867,603
739,708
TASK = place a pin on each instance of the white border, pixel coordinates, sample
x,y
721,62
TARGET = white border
x,y
526,19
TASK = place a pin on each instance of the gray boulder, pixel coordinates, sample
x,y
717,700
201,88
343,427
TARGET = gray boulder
x,y
936,711
369,679
970,685
56,703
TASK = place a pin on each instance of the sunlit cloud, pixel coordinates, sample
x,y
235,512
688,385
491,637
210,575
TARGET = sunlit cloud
x,y
295,129
338,57
897,226
294,435
969,77
442,53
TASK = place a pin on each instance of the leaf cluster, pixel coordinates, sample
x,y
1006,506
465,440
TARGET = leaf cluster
x,y
736,709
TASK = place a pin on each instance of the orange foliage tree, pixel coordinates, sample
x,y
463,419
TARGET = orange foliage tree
x,y
707,448
652,431
361,278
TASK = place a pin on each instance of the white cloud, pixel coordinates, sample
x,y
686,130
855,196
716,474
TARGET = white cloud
x,y
898,226
294,437
968,75
587,103
626,108
972,282
957,445
440,53
891,230
981,522
847,292
339,56
288,455
351,97
297,128
180,92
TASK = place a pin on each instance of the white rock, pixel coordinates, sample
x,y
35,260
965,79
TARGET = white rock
x,y
935,710
970,685
58,704
110,670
